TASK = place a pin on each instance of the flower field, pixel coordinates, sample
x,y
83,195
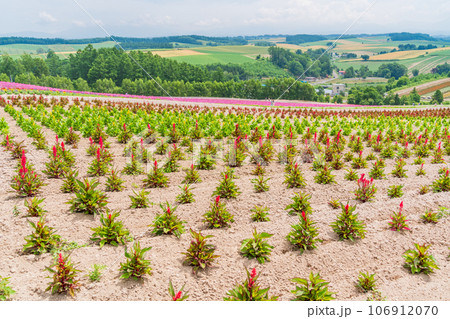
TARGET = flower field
x,y
11,87
107,199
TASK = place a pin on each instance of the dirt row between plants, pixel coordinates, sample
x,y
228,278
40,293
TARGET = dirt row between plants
x,y
338,262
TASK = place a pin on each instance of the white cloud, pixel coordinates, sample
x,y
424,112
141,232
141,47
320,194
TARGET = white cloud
x,y
47,17
232,17
79,23
208,22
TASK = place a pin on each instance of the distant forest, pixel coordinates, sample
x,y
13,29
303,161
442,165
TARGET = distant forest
x,y
139,43
132,43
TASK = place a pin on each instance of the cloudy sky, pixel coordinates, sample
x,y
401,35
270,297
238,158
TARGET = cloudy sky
x,y
150,18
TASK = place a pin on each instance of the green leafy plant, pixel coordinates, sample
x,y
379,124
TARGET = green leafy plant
x,y
377,171
334,203
125,135
72,138
200,254
88,199
438,155
133,167
161,148
430,217
260,184
351,175
398,170
218,216
136,266
260,214
359,162
42,240
186,195
33,208
259,170
167,223
420,171
337,162
442,183
304,234
324,176
347,225
419,261
140,199
113,182
419,161
64,276
366,282
300,203
70,184
366,190
348,157
99,166
424,189
171,165
56,167
249,290
376,295
294,178
26,182
192,176
257,247
174,136
96,272
398,220
316,289
395,191
227,188
156,178
179,295
237,154
5,289
111,232
205,161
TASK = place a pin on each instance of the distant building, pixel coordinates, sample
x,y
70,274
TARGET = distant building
x,y
342,72
337,89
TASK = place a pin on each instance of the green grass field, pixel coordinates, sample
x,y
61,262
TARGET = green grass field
x,y
63,50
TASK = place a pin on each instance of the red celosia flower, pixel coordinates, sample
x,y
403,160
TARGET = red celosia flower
x,y
304,216
217,199
177,296
54,151
100,142
63,146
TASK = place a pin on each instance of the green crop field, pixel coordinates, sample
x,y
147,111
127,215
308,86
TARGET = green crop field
x,y
223,54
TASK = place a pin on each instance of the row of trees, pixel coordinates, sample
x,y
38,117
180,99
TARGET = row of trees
x,y
297,63
375,95
386,70
249,89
